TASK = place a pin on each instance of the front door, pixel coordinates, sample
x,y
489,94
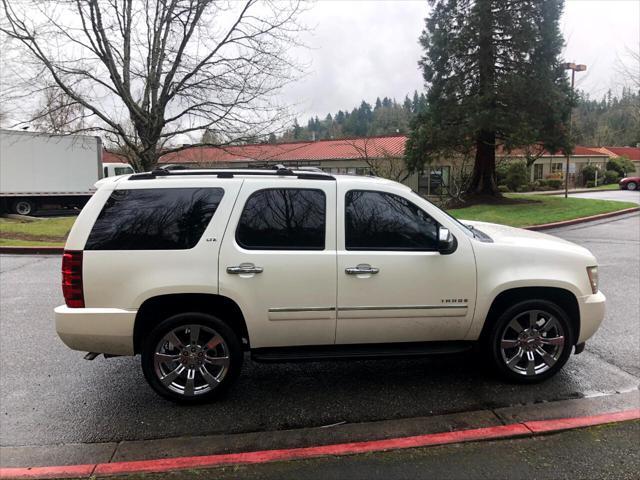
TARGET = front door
x,y
393,284
278,261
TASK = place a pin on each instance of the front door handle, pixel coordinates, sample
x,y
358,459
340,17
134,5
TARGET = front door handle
x,y
244,268
362,269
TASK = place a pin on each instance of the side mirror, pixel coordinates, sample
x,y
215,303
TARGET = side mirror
x,y
447,243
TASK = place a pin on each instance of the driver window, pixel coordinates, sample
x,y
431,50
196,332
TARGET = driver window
x,y
383,221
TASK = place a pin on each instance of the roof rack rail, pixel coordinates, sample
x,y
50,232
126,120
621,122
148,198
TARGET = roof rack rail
x,y
272,171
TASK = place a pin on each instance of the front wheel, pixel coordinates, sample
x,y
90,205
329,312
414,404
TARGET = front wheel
x,y
191,358
632,186
531,341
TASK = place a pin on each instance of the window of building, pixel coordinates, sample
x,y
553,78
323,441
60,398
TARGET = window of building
x,y
283,219
439,178
154,219
383,221
557,167
538,170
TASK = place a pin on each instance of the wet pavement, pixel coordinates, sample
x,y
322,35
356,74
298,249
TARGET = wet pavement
x,y
51,395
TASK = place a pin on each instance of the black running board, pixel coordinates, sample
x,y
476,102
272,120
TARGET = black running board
x,y
357,352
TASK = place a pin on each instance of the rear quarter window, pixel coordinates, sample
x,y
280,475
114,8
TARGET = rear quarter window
x,y
154,219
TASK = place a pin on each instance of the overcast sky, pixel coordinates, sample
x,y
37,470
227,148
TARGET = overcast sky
x,y
365,49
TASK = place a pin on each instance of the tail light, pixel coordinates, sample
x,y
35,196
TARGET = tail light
x,y
72,279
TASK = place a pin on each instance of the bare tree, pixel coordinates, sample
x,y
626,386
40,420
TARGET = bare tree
x,y
628,68
58,113
168,68
380,160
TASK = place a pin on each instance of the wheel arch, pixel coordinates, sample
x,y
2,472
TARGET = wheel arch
x,y
155,309
565,299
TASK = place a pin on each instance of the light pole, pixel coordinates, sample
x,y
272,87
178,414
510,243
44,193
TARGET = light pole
x,y
574,68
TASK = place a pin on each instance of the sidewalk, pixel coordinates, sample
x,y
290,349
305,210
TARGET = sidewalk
x,y
561,192
608,451
312,446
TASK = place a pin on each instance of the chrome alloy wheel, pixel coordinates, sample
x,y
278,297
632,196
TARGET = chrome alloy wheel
x,y
532,342
191,360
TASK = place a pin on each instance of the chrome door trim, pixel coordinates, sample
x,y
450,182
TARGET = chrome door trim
x,y
301,309
401,307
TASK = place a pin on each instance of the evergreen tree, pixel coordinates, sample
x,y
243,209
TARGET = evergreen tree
x,y
297,130
406,105
494,78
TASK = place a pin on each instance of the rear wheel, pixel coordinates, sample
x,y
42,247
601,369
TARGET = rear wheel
x,y
531,341
24,207
191,358
632,186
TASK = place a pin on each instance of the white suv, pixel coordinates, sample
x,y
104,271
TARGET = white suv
x,y
190,268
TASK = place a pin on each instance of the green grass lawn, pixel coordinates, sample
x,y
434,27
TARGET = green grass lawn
x,y
543,209
611,186
43,231
14,242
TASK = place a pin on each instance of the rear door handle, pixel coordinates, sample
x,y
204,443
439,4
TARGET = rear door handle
x,y
362,269
244,268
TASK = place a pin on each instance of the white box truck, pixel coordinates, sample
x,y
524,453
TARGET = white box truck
x,y
39,169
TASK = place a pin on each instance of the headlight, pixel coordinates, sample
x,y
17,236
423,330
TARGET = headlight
x,y
593,278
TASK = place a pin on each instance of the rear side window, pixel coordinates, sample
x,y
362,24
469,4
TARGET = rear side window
x,y
383,221
154,219
283,219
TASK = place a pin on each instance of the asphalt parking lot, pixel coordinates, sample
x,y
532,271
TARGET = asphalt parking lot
x,y
51,395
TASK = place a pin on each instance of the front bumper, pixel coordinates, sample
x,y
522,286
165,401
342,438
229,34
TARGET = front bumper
x,y
101,330
591,315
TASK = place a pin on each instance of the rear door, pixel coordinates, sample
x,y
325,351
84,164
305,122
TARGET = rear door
x,y
278,261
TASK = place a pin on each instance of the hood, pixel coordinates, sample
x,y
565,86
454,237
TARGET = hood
x,y
504,235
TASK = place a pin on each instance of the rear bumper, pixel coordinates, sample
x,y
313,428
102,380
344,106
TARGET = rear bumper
x,y
591,315
101,330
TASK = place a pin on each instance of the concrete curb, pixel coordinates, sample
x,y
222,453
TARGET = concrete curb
x,y
44,250
166,455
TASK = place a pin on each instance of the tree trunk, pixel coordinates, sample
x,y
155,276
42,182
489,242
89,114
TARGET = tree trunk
x,y
147,158
483,181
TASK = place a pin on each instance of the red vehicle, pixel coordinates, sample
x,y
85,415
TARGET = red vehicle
x,y
629,183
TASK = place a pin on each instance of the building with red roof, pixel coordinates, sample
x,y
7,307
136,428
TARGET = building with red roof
x,y
383,155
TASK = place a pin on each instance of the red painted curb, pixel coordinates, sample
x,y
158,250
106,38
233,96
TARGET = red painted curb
x,y
70,471
209,461
311,452
544,426
575,221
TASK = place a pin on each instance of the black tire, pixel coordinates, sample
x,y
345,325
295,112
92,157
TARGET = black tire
x,y
23,206
176,371
632,186
503,330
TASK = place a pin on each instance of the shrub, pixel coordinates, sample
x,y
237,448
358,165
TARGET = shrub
x,y
543,183
590,183
503,189
589,173
554,183
501,172
611,176
517,175
621,165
